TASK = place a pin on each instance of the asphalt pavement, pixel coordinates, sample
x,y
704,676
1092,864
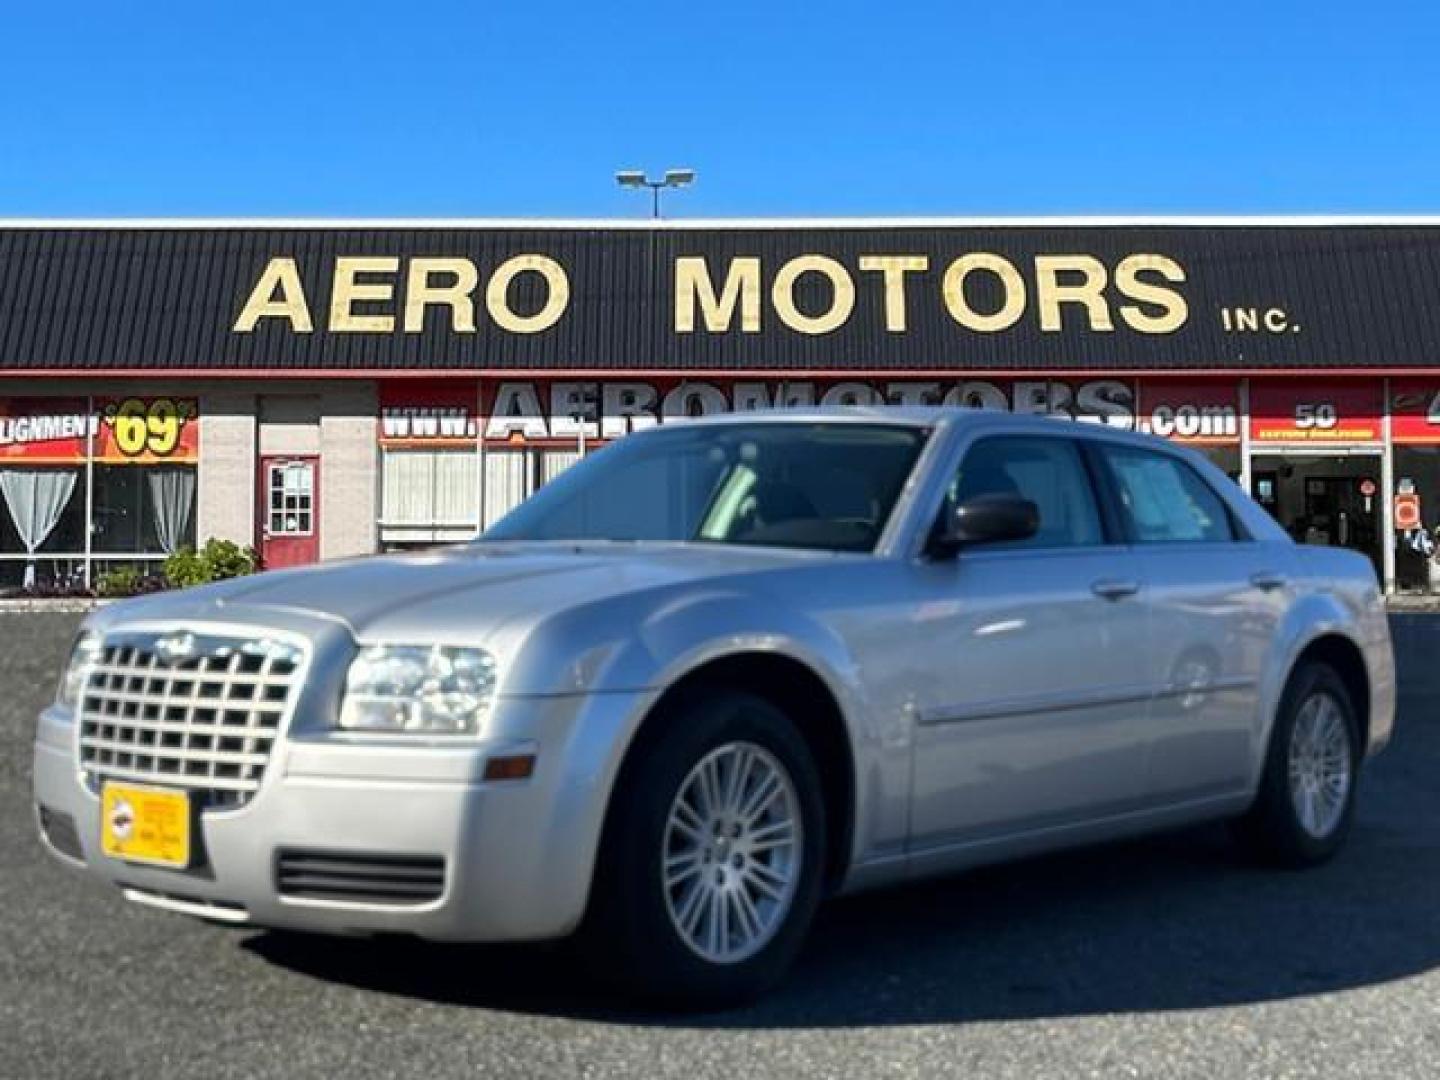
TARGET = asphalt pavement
x,y
1168,957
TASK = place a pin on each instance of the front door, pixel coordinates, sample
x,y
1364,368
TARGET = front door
x,y
289,511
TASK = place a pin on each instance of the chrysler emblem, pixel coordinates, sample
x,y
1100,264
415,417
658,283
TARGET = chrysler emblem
x,y
176,647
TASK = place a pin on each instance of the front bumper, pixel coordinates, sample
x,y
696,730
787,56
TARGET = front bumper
x,y
518,855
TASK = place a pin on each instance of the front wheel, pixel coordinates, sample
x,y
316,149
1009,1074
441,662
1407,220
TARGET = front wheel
x,y
1306,801
711,863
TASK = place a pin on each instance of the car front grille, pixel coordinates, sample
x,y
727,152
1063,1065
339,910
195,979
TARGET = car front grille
x,y
359,877
194,711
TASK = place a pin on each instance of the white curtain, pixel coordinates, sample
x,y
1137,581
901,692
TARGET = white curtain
x,y
172,494
433,488
554,462
507,482
36,498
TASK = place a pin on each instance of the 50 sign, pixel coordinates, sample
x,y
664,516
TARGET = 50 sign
x,y
1321,415
149,429
1331,411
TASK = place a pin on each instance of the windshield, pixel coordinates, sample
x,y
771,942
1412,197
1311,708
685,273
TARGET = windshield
x,y
820,485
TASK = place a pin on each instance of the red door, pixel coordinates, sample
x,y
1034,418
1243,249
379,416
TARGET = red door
x,y
289,511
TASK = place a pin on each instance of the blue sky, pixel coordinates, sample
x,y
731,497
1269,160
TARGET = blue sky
x,y
501,109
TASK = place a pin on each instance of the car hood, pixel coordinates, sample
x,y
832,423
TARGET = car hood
x,y
460,594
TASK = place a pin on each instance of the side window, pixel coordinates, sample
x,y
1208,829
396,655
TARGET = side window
x,y
1048,472
1165,500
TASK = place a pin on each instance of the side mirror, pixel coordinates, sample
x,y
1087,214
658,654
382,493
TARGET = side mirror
x,y
988,519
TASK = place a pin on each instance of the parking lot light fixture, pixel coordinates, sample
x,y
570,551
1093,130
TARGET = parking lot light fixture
x,y
672,178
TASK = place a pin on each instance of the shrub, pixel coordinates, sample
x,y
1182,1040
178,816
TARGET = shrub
x,y
121,581
186,567
228,559
216,561
128,581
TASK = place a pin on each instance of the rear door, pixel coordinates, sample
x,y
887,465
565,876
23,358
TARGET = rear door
x,y
1029,660
1214,598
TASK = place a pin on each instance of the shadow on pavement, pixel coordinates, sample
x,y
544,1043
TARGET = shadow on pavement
x,y
1173,922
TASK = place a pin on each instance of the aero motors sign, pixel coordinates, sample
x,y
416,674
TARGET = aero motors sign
x,y
435,413
522,411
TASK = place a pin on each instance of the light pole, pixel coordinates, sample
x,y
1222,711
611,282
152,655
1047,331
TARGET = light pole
x,y
673,178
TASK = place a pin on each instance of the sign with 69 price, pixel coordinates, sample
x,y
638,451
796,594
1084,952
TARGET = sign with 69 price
x,y
118,431
137,431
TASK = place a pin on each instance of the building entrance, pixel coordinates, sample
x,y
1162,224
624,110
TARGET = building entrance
x,y
1323,499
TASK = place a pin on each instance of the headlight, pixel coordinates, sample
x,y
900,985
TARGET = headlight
x,y
435,690
83,655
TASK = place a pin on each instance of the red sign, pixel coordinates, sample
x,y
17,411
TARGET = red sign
x,y
1407,511
45,431
433,414
1199,412
1315,412
60,431
1415,411
141,431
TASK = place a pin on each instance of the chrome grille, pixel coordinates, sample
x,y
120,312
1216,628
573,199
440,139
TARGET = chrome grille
x,y
193,711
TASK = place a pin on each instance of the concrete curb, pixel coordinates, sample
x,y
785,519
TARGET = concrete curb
x,y
67,604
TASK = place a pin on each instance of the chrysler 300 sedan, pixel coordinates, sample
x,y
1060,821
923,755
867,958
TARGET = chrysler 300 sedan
x,y
716,672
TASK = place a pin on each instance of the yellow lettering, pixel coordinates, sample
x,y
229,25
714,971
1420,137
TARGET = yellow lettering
x,y
347,292
1173,309
741,289
842,294
497,294
421,292
895,267
1089,293
956,302
280,275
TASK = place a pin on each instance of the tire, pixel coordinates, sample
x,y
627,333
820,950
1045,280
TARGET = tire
x,y
635,933
1286,826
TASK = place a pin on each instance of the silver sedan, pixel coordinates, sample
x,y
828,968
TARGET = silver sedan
x,y
716,672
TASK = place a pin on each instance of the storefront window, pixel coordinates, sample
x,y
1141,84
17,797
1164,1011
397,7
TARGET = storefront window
x,y
429,496
44,514
129,464
143,509
1417,519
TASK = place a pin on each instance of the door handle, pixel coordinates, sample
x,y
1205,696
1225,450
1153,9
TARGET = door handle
x,y
1115,588
1267,580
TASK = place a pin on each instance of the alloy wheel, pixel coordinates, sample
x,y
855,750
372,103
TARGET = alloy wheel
x,y
1320,765
732,852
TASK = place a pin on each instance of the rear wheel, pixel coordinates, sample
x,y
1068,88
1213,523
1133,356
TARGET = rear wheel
x,y
1306,801
710,867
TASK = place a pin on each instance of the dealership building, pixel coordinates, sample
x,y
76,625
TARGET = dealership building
x,y
322,389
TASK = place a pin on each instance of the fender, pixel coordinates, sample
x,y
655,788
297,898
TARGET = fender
x,y
1312,616
647,644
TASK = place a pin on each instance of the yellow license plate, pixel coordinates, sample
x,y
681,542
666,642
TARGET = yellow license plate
x,y
145,824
